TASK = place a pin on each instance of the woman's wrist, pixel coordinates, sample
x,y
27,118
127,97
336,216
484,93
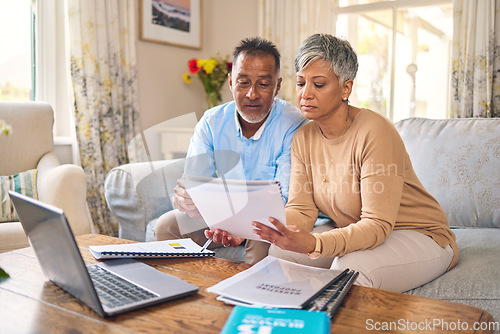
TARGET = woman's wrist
x,y
318,247
311,244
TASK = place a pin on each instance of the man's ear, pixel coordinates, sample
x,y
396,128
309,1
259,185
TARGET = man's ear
x,y
278,87
230,81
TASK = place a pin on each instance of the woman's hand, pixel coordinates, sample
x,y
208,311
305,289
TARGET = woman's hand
x,y
223,237
291,238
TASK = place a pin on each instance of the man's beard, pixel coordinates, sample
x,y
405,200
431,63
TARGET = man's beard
x,y
256,119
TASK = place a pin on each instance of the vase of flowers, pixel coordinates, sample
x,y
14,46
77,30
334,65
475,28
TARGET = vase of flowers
x,y
213,99
212,73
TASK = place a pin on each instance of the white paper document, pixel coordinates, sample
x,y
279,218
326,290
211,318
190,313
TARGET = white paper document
x,y
276,283
233,205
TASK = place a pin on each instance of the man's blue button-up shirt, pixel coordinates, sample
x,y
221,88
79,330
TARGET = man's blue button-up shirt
x,y
219,147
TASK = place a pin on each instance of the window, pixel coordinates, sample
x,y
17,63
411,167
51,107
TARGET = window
x,y
16,57
33,64
404,51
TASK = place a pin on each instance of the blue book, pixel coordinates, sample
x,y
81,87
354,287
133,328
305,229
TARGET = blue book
x,y
274,321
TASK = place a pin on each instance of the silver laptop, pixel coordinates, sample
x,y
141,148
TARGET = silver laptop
x,y
109,288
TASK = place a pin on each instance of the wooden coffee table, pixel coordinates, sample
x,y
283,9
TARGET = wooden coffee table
x,y
31,304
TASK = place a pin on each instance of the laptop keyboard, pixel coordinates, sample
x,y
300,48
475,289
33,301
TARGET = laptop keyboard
x,y
114,291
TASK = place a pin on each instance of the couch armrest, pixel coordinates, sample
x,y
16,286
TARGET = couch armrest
x,y
65,186
48,161
137,193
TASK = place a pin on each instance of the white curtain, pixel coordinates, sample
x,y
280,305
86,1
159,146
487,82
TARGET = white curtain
x,y
476,59
287,23
103,37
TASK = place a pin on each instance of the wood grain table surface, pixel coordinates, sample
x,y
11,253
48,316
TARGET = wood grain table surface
x,y
29,303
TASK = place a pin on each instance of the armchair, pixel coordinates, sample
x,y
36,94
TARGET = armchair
x,y
31,146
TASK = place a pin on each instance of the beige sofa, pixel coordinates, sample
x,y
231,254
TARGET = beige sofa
x,y
31,146
458,162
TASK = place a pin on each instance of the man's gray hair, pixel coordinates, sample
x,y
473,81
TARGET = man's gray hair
x,y
338,52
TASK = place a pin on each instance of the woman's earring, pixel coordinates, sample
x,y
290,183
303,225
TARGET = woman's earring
x,y
345,99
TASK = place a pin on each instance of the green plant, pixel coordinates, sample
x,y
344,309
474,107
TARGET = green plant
x,y
3,275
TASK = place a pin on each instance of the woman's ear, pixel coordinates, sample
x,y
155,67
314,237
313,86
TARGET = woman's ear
x,y
347,89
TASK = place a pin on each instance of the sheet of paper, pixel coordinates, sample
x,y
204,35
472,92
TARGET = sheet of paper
x,y
233,205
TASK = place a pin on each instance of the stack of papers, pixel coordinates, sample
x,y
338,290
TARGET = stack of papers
x,y
275,283
232,205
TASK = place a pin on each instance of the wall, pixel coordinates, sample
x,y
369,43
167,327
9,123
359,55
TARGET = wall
x,y
163,95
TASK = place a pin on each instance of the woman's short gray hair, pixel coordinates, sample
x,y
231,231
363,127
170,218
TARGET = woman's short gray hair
x,y
338,52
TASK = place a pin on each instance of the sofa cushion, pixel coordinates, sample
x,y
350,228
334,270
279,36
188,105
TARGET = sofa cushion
x,y
23,183
458,162
475,279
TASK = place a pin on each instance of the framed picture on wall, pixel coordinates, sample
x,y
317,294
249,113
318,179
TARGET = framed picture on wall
x,y
176,22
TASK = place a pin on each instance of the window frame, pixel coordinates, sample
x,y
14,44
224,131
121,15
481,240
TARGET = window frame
x,y
52,74
394,6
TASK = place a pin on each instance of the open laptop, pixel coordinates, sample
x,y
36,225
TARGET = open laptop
x,y
55,247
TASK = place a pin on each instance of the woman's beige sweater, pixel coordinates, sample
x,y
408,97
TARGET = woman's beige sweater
x,y
365,183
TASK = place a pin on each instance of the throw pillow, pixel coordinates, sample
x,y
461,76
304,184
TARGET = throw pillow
x,y
23,183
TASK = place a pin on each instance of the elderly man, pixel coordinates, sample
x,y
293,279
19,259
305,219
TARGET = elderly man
x,y
256,126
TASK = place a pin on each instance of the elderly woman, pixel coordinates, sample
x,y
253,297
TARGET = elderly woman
x,y
350,164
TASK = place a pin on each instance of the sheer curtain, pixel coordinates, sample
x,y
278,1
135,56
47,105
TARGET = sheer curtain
x,y
103,72
475,76
287,23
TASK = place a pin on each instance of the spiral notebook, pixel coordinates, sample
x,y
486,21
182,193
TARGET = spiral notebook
x,y
154,249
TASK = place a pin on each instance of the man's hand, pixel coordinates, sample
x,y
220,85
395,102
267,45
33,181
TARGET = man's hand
x,y
223,237
183,202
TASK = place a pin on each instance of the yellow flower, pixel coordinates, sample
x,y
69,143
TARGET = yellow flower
x,y
186,78
209,65
200,62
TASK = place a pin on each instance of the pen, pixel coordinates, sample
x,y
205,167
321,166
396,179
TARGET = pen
x,y
207,243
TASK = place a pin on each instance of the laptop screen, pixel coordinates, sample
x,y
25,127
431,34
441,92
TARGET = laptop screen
x,y
50,236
